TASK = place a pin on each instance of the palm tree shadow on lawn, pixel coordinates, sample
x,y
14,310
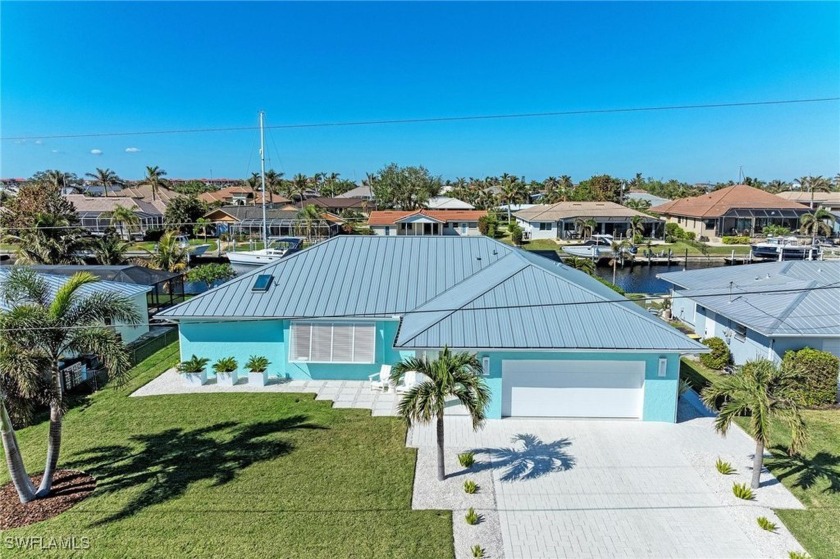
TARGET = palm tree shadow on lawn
x,y
169,461
807,471
532,460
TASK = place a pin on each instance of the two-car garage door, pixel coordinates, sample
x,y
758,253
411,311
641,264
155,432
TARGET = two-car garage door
x,y
573,388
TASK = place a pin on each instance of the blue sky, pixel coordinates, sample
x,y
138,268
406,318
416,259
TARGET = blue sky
x,y
75,68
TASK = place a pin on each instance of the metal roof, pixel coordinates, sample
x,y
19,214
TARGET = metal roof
x,y
123,273
470,292
798,299
56,281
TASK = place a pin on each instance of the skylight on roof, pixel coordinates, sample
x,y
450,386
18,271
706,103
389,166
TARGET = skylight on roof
x,y
262,283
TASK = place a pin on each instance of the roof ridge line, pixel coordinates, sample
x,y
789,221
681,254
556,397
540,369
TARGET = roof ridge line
x,y
787,312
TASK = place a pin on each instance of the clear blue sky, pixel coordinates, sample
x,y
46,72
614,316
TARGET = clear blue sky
x,y
111,67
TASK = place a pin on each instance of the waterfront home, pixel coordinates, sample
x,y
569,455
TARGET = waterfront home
x,y
447,203
95,213
425,222
828,200
240,195
552,341
762,310
562,220
738,210
336,205
279,222
362,192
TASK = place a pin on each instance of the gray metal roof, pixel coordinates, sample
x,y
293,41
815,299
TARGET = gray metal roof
x,y
797,299
56,281
469,292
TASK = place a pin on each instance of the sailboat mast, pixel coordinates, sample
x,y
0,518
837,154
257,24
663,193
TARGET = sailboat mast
x,y
262,177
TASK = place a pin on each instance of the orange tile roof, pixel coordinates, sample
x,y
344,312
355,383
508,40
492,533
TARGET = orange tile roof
x,y
719,202
390,217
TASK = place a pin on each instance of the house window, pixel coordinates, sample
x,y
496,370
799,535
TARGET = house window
x,y
454,224
333,342
740,331
545,226
387,230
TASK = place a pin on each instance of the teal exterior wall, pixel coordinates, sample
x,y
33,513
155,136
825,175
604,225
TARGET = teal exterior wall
x,y
660,393
270,338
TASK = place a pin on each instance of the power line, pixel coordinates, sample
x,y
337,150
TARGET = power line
x,y
432,119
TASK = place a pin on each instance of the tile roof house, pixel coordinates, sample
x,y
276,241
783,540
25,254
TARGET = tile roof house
x,y
447,203
425,222
336,205
160,199
735,210
565,345
239,196
95,212
358,192
280,222
559,221
762,310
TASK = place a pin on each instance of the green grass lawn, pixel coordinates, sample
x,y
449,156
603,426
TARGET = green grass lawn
x,y
813,477
679,249
235,475
150,246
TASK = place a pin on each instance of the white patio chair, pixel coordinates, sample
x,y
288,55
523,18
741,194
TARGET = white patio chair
x,y
410,380
382,379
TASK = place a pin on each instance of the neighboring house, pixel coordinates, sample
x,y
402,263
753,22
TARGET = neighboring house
x,y
279,222
735,210
136,293
95,212
143,192
646,197
425,222
336,205
762,310
560,220
165,288
829,200
240,196
446,203
362,192
552,341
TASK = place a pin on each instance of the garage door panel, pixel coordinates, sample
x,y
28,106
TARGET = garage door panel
x,y
573,388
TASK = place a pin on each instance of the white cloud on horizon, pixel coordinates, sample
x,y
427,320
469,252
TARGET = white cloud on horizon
x,y
132,150
56,151
39,142
96,152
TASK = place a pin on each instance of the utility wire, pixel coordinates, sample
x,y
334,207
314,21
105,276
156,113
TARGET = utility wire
x,y
433,119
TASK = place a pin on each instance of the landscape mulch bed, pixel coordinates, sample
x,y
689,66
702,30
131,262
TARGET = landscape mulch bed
x,y
69,488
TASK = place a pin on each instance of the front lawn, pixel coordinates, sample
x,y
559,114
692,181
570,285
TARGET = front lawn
x,y
235,475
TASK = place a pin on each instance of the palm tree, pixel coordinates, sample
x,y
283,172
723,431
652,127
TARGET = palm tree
x,y
154,178
451,375
512,191
52,241
110,250
761,390
169,254
298,187
814,184
817,223
618,248
309,214
585,226
585,265
51,327
106,177
636,226
272,182
122,219
203,224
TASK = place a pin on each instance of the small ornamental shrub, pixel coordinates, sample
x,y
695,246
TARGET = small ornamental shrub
x,y
257,364
477,551
766,524
466,459
516,235
724,468
470,487
797,555
472,517
719,357
683,387
211,273
225,365
735,240
816,375
774,230
194,364
742,491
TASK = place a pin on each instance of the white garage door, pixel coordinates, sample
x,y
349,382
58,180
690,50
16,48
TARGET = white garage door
x,y
573,388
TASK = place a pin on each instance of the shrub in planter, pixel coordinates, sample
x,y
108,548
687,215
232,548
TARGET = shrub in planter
x,y
257,370
816,375
720,355
226,371
194,370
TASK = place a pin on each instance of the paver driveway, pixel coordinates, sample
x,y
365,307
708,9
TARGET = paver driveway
x,y
578,488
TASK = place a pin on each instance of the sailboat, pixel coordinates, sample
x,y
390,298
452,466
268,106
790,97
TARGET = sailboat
x,y
275,248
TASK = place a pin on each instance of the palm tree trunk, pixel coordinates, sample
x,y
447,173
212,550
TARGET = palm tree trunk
x,y
441,469
758,464
615,258
54,437
14,461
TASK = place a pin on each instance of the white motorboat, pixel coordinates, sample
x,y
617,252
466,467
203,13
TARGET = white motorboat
x,y
277,248
784,248
597,247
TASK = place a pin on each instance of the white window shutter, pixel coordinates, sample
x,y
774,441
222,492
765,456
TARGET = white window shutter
x,y
364,343
301,336
322,342
342,349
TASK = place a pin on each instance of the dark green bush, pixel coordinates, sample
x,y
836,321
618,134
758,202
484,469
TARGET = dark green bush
x,y
516,235
210,273
719,356
816,373
736,240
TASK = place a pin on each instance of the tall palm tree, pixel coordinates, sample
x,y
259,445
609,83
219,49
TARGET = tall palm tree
x,y
814,184
110,250
53,326
106,177
817,223
761,390
123,219
203,224
169,255
636,226
309,214
618,248
154,178
52,241
585,265
451,375
298,187
586,226
272,182
512,191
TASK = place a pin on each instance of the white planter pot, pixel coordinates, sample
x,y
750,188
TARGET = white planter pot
x,y
258,379
227,379
195,379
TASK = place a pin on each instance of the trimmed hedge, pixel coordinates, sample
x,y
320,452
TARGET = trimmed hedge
x,y
719,356
816,373
736,240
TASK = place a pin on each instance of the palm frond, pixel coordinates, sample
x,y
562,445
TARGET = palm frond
x,y
99,307
106,345
422,403
23,284
68,294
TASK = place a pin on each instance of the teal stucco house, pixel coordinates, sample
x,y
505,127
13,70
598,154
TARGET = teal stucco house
x,y
552,341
